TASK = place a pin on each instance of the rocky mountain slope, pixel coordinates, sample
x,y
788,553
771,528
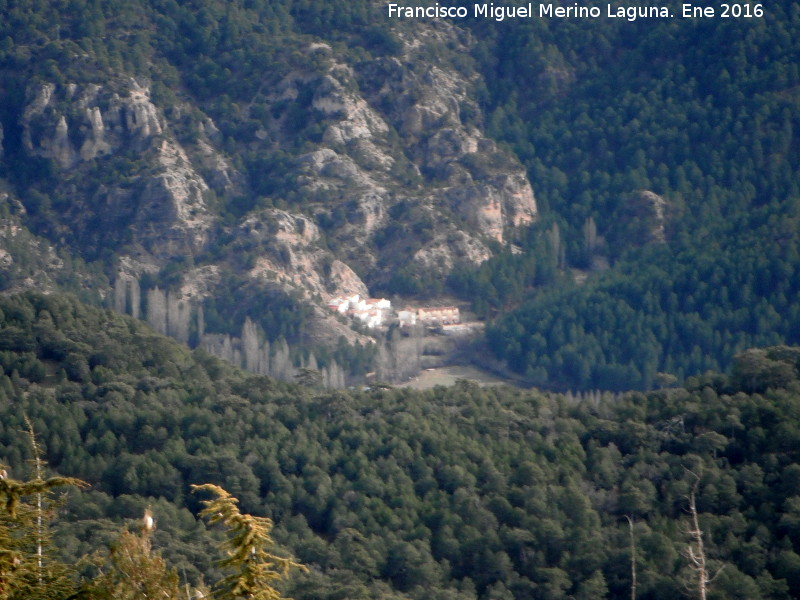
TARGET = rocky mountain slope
x,y
338,172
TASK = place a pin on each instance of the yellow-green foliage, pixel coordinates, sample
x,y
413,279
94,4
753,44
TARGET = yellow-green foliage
x,y
135,572
254,568
26,572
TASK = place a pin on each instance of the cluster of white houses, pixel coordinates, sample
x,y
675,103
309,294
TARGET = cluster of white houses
x,y
373,312
376,312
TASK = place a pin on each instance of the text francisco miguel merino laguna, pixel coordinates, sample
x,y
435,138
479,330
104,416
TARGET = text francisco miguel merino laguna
x,y
501,12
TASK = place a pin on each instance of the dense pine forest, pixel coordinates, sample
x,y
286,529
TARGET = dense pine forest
x,y
667,149
461,492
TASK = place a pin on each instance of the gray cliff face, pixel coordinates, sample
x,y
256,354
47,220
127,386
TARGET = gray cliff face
x,y
175,196
160,201
288,252
72,124
405,131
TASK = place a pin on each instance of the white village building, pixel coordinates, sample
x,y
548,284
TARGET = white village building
x,y
370,311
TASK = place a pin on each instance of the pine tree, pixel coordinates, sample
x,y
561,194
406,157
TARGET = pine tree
x,y
25,510
254,568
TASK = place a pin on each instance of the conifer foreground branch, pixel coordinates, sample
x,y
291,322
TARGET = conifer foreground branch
x,y
24,572
255,568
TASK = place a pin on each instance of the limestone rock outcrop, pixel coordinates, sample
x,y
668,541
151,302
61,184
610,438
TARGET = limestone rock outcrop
x,y
397,133
283,247
641,219
157,196
72,124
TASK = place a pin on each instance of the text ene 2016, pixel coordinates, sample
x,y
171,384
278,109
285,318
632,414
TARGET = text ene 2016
x,y
735,11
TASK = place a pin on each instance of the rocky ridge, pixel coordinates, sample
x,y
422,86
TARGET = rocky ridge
x,y
402,134
399,175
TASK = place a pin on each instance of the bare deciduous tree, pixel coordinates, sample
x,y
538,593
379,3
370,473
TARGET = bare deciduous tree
x,y
633,557
695,551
